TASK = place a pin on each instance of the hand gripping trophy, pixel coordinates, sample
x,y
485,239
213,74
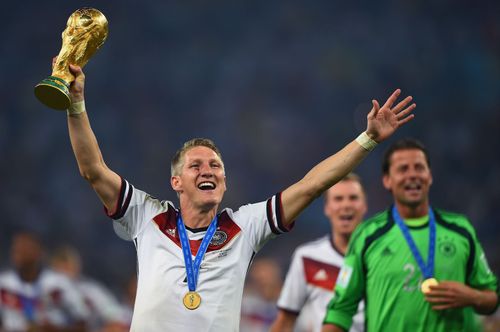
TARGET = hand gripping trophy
x,y
86,31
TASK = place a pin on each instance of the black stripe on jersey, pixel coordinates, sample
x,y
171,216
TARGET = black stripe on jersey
x,y
334,247
465,233
378,233
269,210
279,213
289,311
125,205
196,230
119,204
137,257
251,261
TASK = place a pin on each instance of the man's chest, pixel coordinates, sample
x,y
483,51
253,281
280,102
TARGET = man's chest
x,y
159,254
391,258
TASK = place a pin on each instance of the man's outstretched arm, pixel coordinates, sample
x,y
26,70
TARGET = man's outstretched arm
x,y
382,123
105,182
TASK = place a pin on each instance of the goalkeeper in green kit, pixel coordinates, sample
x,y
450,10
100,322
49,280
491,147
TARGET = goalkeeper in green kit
x,y
418,268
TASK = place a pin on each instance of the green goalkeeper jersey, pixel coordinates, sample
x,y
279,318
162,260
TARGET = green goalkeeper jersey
x,y
380,268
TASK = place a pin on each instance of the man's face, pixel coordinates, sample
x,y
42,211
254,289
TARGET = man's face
x,y
409,178
70,267
202,181
25,252
345,206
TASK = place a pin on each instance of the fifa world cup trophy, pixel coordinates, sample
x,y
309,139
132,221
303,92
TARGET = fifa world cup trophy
x,y
86,31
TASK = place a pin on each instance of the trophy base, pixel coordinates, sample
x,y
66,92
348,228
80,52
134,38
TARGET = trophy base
x,y
54,93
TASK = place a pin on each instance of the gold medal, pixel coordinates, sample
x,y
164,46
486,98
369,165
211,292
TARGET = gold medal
x,y
427,283
192,300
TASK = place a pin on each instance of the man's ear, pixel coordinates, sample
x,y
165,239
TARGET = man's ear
x,y
386,181
176,183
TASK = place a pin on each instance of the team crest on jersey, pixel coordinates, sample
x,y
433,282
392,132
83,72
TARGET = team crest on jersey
x,y
219,238
447,248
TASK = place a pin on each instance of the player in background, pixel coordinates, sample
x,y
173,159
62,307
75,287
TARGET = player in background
x,y
127,299
174,290
35,298
315,265
417,267
262,288
106,313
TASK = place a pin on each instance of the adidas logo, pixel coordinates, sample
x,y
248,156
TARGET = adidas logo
x,y
321,275
386,252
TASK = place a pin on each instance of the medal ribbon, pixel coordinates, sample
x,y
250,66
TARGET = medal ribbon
x,y
29,303
427,270
193,268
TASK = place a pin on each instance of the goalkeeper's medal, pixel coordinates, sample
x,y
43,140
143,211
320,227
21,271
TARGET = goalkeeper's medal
x,y
427,283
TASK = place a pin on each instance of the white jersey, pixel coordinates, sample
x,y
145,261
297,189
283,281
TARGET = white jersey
x,y
52,298
101,303
309,285
161,271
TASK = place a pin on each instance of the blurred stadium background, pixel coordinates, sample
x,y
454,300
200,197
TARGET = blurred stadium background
x,y
278,86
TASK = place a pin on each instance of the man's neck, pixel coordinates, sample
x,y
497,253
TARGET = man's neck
x,y
340,242
197,218
29,274
406,211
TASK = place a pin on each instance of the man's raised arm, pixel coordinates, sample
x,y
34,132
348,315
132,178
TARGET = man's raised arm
x,y
382,123
105,182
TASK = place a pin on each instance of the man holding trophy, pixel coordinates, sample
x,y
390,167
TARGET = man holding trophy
x,y
192,260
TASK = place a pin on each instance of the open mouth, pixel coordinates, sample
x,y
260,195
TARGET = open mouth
x,y
346,217
413,187
206,185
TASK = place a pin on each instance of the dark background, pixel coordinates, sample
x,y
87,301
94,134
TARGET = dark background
x,y
278,85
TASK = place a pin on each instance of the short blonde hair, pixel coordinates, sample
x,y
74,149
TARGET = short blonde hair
x,y
178,159
349,177
65,254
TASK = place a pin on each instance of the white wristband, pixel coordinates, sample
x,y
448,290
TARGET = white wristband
x,y
76,108
366,142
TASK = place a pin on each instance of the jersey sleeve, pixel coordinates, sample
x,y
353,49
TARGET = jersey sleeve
x,y
294,292
349,287
134,208
481,276
261,221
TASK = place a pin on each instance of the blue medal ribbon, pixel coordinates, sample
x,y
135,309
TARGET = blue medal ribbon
x,y
28,305
193,268
427,270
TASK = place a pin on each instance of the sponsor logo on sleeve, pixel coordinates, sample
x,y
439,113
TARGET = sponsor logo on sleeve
x,y
344,276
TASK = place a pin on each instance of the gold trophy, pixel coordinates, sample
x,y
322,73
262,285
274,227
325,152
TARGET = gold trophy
x,y
86,31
